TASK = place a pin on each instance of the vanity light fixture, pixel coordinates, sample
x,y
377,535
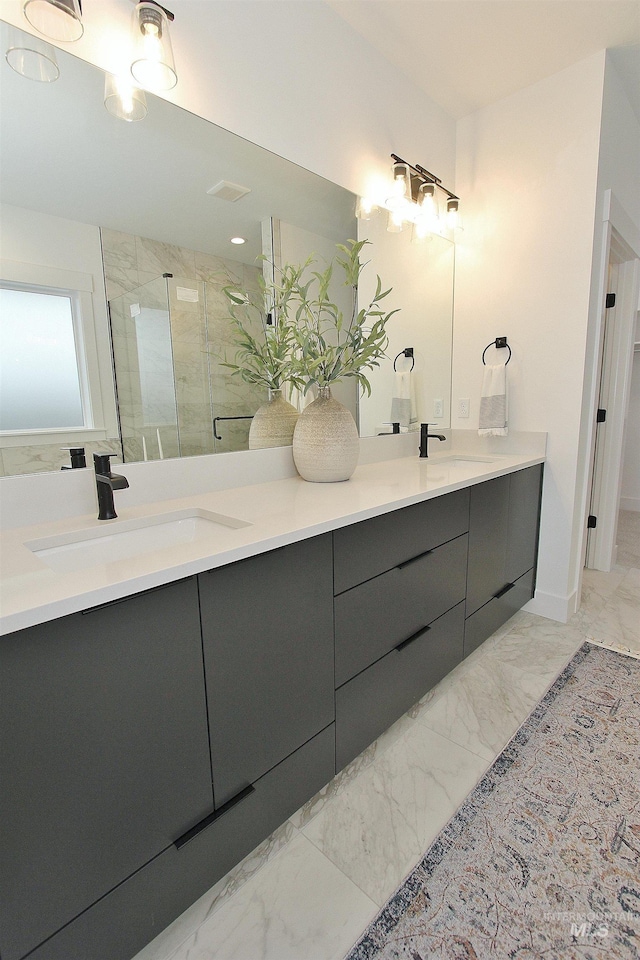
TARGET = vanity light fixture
x,y
56,19
123,100
413,198
31,57
152,65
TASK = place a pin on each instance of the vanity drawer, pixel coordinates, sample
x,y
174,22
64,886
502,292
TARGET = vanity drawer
x,y
372,618
366,549
367,705
128,917
489,618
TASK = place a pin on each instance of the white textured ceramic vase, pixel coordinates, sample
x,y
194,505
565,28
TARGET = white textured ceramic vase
x,y
325,442
273,423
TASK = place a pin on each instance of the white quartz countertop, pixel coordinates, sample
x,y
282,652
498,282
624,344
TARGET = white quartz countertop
x,y
274,514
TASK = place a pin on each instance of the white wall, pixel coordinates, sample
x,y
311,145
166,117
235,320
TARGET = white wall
x,y
527,169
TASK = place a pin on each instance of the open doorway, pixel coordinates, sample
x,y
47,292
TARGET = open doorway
x,y
615,368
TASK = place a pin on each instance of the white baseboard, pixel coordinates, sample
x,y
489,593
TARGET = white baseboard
x,y
552,607
630,503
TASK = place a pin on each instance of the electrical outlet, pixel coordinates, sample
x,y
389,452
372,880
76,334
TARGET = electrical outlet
x,y
463,408
438,408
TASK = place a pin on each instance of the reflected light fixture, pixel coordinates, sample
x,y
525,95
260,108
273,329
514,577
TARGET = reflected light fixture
x,y
152,65
57,19
123,100
453,214
365,207
413,198
31,57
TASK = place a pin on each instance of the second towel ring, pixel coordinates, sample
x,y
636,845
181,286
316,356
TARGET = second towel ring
x,y
499,343
407,352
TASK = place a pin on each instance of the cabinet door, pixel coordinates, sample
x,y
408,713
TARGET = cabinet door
x,y
488,522
267,625
104,754
525,490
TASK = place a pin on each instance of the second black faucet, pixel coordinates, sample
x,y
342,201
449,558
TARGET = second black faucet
x,y
424,439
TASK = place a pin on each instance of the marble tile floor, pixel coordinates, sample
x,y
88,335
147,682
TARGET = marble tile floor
x,y
309,891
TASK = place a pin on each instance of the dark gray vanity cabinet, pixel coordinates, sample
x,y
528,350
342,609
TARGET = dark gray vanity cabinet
x,y
503,542
104,755
399,627
267,627
149,744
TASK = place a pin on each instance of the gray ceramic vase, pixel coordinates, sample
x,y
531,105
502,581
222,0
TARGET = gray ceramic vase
x,y
325,442
273,423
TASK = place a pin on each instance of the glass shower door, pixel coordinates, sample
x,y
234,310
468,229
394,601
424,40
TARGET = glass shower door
x,y
144,372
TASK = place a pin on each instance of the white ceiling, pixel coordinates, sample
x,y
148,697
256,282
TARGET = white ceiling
x,y
466,54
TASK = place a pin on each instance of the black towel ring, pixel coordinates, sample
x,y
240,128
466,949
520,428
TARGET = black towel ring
x,y
407,352
499,343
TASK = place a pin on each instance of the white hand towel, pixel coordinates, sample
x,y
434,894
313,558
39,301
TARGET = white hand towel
x,y
401,399
493,402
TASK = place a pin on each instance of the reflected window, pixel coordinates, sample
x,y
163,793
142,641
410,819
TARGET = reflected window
x,y
41,373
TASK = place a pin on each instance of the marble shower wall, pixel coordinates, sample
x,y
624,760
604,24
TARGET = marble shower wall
x,y
200,341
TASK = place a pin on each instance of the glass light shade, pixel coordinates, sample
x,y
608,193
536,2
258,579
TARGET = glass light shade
x,y
395,223
401,180
56,19
428,200
32,58
123,100
421,231
454,221
152,66
364,208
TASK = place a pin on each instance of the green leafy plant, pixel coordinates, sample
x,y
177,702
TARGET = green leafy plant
x,y
303,337
264,337
330,345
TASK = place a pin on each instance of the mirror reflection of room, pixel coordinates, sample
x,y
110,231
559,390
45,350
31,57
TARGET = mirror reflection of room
x,y
151,383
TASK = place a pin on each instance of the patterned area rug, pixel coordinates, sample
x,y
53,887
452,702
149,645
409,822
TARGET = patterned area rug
x,y
542,861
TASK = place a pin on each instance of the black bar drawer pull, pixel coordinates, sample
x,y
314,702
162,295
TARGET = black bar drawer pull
x,y
407,563
505,589
414,636
220,812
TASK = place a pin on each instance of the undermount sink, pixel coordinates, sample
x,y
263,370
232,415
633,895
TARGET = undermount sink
x,y
459,458
123,539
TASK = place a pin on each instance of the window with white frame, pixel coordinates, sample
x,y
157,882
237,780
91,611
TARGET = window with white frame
x,y
50,376
40,363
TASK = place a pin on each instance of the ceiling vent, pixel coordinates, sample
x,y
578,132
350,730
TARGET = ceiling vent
x,y
225,190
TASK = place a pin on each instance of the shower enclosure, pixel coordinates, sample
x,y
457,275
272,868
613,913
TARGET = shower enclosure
x,y
175,398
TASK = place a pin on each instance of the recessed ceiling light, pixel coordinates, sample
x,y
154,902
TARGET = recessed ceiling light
x,y
238,240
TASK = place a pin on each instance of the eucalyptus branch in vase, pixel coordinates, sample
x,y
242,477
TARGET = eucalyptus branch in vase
x,y
330,347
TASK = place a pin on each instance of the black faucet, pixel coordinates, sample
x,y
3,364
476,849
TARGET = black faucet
x,y
78,459
424,439
106,483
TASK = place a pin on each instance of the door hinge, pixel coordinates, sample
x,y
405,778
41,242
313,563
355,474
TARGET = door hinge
x,y
610,300
591,522
601,416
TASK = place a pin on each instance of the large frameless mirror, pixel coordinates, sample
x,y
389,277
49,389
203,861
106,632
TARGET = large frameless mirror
x,y
133,222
